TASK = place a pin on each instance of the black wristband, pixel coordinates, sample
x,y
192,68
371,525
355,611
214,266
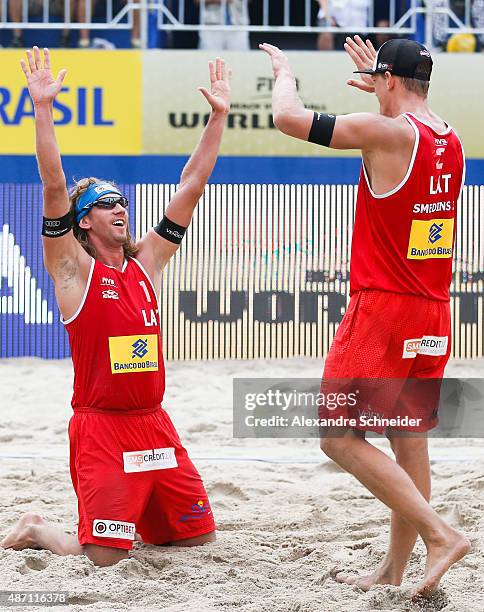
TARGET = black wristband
x,y
53,228
322,129
170,231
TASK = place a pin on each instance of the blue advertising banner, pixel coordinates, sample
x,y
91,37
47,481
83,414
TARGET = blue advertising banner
x,y
29,318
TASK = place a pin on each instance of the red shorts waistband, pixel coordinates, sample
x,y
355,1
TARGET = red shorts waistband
x,y
117,411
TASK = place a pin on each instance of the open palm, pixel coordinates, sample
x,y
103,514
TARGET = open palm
x,y
219,95
42,85
363,55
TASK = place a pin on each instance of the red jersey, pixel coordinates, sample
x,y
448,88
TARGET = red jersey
x,y
115,341
403,239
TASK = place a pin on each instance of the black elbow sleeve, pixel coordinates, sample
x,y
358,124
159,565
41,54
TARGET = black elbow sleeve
x,y
322,129
53,228
169,230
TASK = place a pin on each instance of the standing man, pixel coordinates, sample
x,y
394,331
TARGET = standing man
x,y
218,12
129,469
345,14
397,325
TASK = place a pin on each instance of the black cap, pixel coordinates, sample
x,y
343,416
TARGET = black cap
x,y
402,57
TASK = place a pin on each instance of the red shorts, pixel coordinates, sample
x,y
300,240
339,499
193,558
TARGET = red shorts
x,y
132,474
397,345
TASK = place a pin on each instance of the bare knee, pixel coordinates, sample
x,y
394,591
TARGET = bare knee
x,y
333,447
104,556
31,518
196,541
335,441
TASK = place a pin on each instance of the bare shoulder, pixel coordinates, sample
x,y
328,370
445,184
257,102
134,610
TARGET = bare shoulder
x,y
371,132
396,133
154,252
399,125
144,255
148,256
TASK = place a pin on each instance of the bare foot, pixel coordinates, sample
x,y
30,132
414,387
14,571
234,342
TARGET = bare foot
x,y
440,557
380,576
20,536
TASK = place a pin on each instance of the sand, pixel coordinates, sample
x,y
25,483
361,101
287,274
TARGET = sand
x,y
286,524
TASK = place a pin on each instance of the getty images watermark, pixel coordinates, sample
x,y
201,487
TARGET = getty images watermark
x,y
307,408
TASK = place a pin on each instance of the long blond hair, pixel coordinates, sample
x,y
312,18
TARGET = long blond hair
x,y
129,247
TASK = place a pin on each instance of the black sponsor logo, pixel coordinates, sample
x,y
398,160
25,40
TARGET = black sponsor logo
x,y
334,302
241,121
100,527
432,343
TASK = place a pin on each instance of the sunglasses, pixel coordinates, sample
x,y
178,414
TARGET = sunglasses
x,y
110,202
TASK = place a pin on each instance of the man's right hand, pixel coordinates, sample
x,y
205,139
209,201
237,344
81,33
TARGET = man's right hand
x,y
363,55
43,88
280,61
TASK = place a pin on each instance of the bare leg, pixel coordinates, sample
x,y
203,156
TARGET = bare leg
x,y
15,13
394,487
412,455
382,38
84,36
135,33
325,41
32,531
197,541
104,556
66,34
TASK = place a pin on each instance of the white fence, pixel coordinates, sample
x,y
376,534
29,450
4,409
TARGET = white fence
x,y
264,271
440,17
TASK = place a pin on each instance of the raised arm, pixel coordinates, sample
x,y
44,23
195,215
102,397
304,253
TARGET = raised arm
x,y
289,113
365,131
160,243
61,249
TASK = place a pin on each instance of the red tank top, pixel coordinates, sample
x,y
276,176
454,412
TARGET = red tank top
x,y
115,341
403,240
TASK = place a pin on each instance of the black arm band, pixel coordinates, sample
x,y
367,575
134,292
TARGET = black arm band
x,y
53,228
170,231
322,129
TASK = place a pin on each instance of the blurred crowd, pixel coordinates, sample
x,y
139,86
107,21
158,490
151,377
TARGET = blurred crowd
x,y
354,16
78,10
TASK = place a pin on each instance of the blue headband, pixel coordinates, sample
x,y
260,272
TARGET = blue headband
x,y
93,193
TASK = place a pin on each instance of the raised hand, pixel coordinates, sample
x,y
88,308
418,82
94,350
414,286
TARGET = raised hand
x,y
219,95
43,88
279,59
363,55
